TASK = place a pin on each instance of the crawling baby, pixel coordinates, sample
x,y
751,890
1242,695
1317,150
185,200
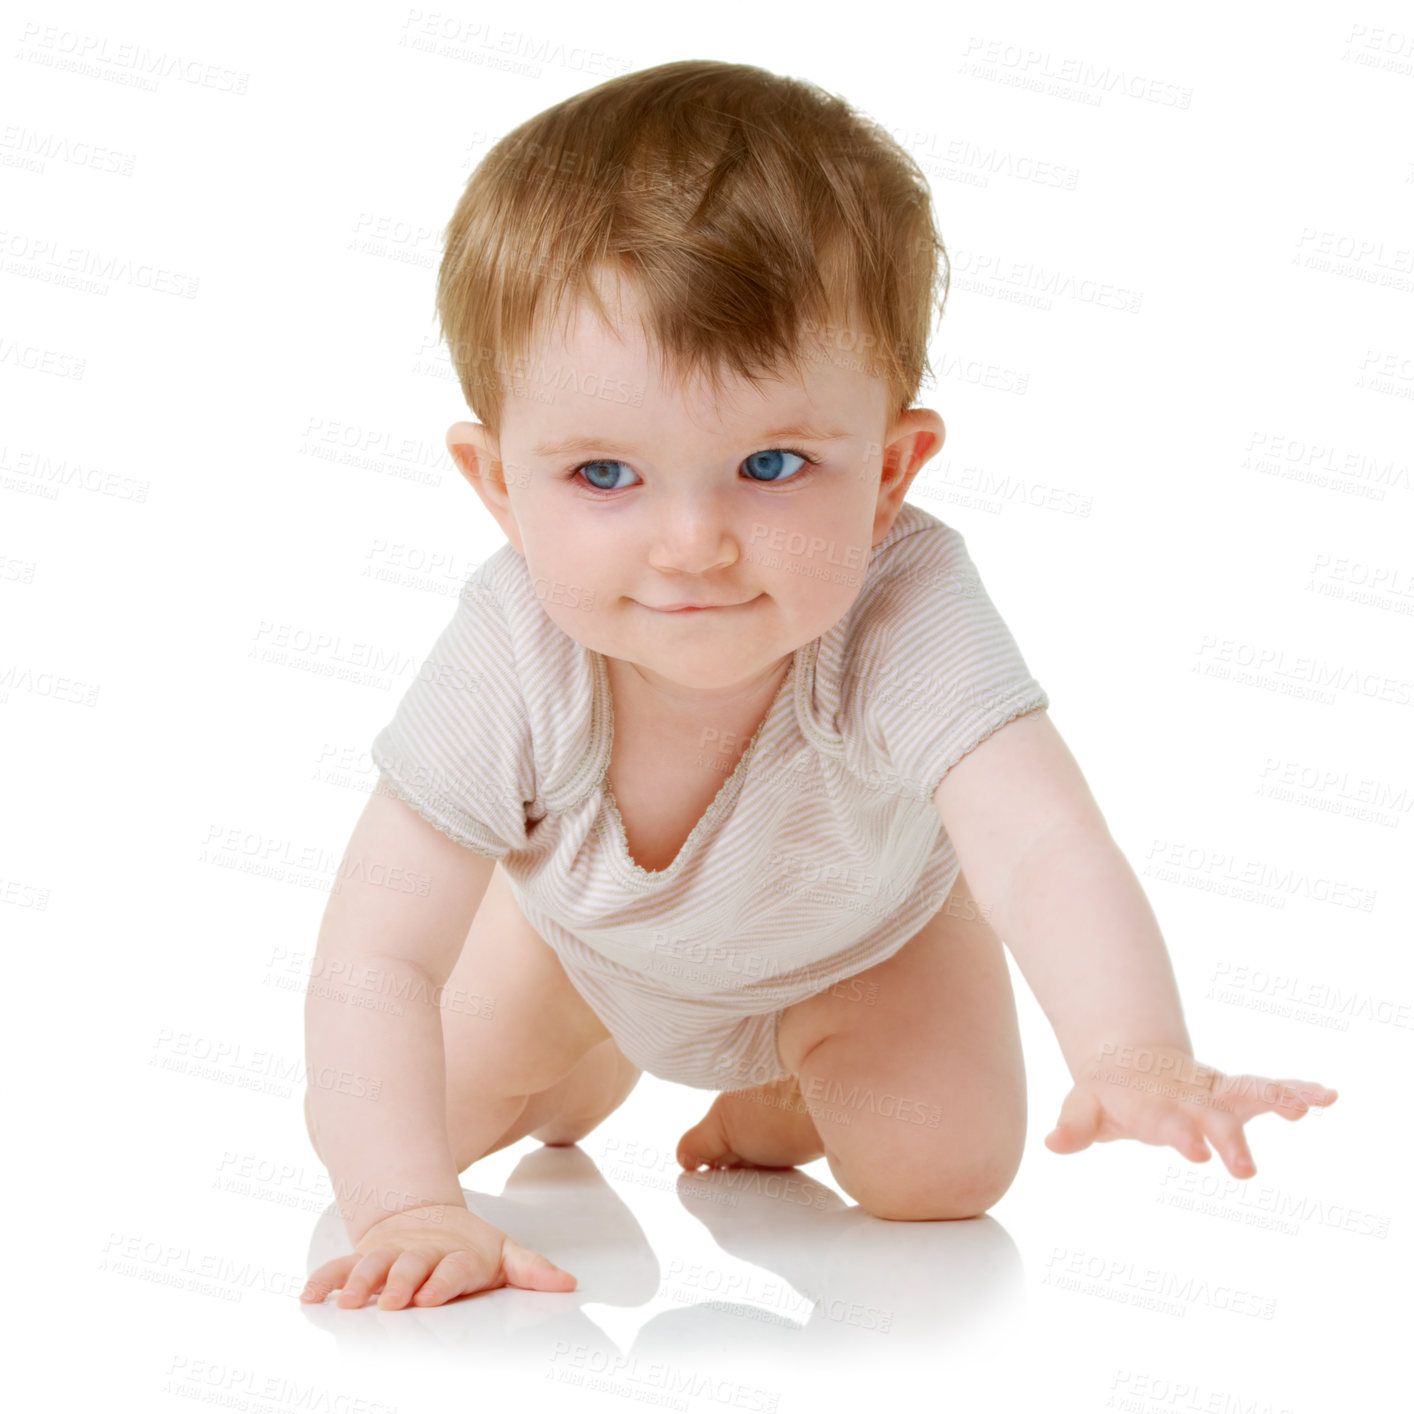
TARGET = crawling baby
x,y
725,767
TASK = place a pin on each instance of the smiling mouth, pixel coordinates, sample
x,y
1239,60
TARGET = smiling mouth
x,y
698,608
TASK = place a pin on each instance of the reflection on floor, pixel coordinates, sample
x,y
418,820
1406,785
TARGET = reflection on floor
x,y
790,1274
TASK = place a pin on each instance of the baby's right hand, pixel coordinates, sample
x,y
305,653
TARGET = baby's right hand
x,y
430,1255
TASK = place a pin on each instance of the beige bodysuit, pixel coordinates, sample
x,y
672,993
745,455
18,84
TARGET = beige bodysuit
x,y
822,853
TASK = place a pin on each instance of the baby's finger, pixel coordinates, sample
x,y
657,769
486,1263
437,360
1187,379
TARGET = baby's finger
x,y
406,1275
1297,1096
1179,1131
1225,1134
1284,1097
457,1274
367,1276
444,1282
1245,1096
1078,1125
323,1280
531,1271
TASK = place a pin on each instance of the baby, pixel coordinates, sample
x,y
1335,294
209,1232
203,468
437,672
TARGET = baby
x,y
726,767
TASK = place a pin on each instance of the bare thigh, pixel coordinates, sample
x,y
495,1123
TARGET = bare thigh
x,y
921,1089
513,1024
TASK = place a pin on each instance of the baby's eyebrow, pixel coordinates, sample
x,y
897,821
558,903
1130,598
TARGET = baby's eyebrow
x,y
568,445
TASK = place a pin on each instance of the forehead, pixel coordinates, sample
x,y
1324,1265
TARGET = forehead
x,y
582,376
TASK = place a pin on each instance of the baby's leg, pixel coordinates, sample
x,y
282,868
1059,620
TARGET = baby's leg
x,y
597,1085
909,1079
525,1053
920,1098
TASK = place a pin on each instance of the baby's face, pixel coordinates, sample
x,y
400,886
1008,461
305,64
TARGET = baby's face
x,y
765,503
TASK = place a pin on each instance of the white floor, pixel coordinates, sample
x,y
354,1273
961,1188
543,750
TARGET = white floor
x,y
1104,1280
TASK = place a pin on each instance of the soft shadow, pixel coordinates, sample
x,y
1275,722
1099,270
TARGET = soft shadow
x,y
836,1284
852,1286
555,1202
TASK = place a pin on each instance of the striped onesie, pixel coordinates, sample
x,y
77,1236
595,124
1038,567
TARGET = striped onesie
x,y
822,853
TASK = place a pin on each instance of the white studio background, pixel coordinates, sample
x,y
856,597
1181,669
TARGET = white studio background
x,y
1177,367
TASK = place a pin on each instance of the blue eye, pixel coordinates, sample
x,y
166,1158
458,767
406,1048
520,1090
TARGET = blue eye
x,y
772,459
590,466
766,465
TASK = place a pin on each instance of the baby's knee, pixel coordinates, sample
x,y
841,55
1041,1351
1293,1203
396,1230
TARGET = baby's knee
x,y
904,1194
910,1174
581,1102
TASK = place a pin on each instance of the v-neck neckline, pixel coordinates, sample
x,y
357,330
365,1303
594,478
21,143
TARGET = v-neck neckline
x,y
618,848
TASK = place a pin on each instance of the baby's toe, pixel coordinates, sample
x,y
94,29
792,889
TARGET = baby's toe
x,y
705,1143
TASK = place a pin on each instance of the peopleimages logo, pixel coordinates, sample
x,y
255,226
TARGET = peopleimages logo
x,y
1071,77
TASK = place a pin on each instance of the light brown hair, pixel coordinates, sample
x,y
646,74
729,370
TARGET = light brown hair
x,y
759,219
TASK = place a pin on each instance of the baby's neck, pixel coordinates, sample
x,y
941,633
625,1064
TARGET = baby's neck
x,y
686,705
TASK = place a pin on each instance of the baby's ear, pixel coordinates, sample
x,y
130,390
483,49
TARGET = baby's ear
x,y
477,457
470,448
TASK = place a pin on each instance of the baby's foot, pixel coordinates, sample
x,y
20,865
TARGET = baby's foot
x,y
767,1126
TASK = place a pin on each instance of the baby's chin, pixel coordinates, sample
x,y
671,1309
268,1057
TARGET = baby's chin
x,y
728,668
725,671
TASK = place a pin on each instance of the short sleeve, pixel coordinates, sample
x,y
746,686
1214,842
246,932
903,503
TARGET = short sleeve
x,y
458,747
933,669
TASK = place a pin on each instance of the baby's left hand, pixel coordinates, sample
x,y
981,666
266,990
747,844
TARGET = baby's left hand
x,y
1162,1095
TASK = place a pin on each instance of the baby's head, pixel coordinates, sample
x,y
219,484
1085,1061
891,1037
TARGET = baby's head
x,y
691,308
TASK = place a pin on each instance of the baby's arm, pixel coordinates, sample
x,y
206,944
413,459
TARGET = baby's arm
x,y
1039,858
377,1096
